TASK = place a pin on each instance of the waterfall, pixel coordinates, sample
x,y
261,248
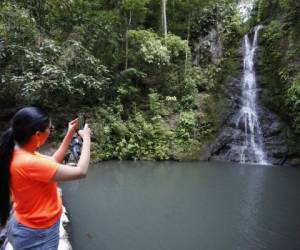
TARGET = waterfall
x,y
250,132
252,143
245,7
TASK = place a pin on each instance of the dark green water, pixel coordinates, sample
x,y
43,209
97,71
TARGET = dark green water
x,y
184,206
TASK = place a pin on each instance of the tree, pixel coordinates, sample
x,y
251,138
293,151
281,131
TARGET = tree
x,y
40,9
164,17
131,7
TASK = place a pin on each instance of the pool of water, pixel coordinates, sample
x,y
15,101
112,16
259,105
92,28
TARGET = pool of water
x,y
184,206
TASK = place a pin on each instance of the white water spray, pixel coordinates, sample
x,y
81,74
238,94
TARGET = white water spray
x,y
248,116
245,7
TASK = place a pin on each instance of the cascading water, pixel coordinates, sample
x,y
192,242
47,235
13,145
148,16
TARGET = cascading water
x,y
251,133
245,7
252,143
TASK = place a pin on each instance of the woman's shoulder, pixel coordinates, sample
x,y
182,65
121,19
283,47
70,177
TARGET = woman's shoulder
x,y
21,156
20,162
33,165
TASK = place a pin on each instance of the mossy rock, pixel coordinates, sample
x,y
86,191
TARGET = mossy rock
x,y
189,151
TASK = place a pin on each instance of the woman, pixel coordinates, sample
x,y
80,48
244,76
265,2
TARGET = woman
x,y
29,179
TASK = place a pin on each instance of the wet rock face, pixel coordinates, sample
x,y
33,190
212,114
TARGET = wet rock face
x,y
209,46
281,145
222,147
276,138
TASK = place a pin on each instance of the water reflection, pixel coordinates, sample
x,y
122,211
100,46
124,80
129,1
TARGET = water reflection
x,y
190,206
251,196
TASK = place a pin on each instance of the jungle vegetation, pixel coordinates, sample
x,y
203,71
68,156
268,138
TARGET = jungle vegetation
x,y
133,66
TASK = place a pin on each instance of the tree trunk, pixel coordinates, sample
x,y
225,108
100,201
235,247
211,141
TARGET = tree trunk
x,y
164,17
126,40
188,39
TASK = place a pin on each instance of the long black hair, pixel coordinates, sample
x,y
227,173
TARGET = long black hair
x,y
24,124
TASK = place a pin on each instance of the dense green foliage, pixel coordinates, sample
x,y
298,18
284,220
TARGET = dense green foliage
x,y
144,96
280,61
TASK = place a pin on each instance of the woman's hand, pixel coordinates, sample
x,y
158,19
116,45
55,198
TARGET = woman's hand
x,y
73,125
85,133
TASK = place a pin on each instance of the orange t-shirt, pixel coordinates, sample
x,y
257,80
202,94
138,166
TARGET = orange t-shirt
x,y
36,200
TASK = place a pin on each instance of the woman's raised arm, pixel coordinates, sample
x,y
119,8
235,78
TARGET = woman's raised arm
x,y
65,172
59,155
